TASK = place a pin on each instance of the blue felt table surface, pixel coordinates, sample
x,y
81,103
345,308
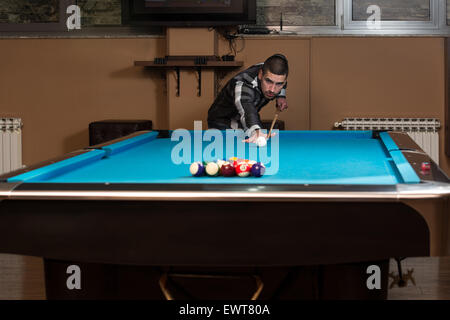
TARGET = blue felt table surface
x,y
304,157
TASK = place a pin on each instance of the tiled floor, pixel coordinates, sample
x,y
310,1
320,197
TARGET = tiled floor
x,y
431,275
22,278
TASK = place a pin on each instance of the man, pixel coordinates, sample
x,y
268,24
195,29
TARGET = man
x,y
239,102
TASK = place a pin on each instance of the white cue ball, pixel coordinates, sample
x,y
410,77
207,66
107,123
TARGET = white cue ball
x,y
261,142
212,169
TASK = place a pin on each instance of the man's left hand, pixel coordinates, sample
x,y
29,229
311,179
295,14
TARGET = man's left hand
x,y
281,104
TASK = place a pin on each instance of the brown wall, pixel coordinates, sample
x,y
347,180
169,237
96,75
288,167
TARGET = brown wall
x,y
378,77
59,86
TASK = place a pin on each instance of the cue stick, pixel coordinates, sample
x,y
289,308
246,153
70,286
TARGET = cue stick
x,y
273,123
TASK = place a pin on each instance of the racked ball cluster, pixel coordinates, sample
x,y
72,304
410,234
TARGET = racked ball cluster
x,y
233,167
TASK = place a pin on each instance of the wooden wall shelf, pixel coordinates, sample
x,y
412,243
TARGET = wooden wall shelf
x,y
191,64
177,65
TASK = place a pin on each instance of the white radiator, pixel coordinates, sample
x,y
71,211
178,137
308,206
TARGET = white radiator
x,y
10,144
424,131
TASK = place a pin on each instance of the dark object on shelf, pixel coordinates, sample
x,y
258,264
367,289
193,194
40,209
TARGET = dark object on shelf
x,y
227,57
160,61
246,29
105,130
189,61
194,58
200,60
278,125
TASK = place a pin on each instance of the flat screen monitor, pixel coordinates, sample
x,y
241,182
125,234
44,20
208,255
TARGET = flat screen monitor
x,y
195,13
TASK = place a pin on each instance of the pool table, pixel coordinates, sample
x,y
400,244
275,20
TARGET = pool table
x,y
331,203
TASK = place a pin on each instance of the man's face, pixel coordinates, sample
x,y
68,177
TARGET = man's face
x,y
271,84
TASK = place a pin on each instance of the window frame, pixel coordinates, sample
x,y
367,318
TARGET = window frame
x,y
346,26
437,24
446,17
350,24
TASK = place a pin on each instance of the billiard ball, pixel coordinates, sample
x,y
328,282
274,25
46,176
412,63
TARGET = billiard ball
x,y
258,169
243,169
197,169
220,163
425,167
251,162
261,141
227,170
212,169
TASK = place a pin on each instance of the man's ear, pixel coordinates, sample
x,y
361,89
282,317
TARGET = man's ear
x,y
260,74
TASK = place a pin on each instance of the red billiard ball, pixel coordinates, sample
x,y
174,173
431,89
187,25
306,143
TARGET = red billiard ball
x,y
243,169
227,170
236,162
425,167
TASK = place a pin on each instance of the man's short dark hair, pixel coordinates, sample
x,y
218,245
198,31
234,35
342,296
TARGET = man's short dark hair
x,y
276,64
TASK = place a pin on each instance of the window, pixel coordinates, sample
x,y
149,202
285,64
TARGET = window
x,y
100,12
94,12
448,12
355,16
398,16
296,12
393,10
37,15
21,12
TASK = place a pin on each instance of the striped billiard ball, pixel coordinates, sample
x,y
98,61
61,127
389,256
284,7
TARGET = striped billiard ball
x,y
243,169
197,169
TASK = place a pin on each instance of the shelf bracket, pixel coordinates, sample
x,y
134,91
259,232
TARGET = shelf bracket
x,y
177,69
199,88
